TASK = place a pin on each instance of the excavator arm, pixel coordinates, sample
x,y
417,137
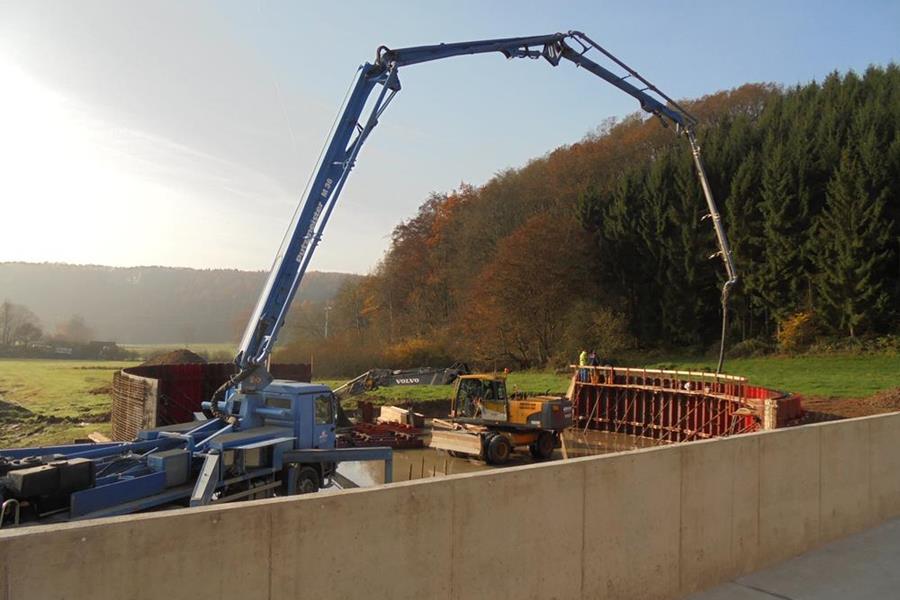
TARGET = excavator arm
x,y
351,130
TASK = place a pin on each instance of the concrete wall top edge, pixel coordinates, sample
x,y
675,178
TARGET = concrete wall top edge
x,y
324,496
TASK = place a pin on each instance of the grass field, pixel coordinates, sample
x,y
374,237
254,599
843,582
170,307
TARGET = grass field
x,y
53,401
56,401
839,376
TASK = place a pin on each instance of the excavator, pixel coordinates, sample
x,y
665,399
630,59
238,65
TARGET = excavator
x,y
264,437
487,423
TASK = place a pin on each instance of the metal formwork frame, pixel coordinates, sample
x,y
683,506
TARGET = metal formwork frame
x,y
669,406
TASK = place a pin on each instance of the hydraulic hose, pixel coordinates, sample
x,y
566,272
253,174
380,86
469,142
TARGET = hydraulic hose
x,y
721,238
219,394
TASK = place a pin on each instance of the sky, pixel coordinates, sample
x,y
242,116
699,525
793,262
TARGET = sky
x,y
183,133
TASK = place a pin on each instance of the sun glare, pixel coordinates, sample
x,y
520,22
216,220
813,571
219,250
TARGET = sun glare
x,y
69,186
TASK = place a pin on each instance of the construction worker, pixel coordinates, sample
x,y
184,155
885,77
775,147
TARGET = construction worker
x,y
593,361
582,362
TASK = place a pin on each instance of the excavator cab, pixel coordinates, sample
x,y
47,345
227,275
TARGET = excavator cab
x,y
481,396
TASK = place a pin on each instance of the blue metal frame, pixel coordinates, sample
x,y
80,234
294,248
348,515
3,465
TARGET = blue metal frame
x,y
116,493
306,229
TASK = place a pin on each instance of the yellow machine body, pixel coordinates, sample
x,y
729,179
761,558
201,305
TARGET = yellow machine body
x,y
485,421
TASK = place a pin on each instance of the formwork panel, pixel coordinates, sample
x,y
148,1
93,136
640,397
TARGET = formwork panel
x,y
745,525
151,395
133,405
884,461
392,542
631,537
526,528
846,505
676,406
788,493
4,575
718,511
144,557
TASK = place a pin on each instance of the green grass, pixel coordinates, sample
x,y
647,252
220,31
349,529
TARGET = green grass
x,y
45,401
838,376
524,381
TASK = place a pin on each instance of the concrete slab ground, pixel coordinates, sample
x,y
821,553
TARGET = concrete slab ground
x,y
862,566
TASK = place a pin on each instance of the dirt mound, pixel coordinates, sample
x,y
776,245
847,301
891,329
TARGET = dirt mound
x,y
882,402
175,357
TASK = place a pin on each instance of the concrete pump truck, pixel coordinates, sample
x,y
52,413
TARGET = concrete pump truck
x,y
264,437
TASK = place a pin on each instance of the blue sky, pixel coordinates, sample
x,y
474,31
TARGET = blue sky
x,y
182,134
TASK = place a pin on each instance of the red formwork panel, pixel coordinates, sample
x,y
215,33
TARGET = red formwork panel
x,y
674,405
789,406
393,435
181,388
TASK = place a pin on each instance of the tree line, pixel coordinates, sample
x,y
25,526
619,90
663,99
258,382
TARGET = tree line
x,y
19,326
604,243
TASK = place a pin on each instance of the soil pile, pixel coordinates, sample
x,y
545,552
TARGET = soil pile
x,y
175,357
882,402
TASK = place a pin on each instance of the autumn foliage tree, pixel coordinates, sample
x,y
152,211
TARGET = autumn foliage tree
x,y
517,302
604,241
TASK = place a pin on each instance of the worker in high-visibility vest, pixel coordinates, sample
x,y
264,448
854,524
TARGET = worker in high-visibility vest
x,y
582,362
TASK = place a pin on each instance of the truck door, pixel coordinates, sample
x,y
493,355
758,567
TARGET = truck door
x,y
323,427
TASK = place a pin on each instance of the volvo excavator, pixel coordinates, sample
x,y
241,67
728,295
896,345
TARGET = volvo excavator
x,y
261,436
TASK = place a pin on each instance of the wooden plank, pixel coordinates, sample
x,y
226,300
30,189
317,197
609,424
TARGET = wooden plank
x,y
395,414
456,441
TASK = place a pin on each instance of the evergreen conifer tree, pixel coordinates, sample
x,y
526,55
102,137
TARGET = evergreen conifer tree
x,y
781,276
852,244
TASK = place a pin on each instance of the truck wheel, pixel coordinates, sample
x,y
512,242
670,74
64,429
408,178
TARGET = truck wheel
x,y
499,450
305,479
542,448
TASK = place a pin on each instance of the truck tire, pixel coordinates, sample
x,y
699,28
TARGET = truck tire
x,y
542,448
498,450
305,479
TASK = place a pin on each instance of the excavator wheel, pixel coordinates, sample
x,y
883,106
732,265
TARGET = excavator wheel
x,y
498,450
542,448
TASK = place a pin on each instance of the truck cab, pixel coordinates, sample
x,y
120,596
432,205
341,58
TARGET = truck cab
x,y
293,416
309,409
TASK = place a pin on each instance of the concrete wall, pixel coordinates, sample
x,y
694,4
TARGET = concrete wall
x,y
655,523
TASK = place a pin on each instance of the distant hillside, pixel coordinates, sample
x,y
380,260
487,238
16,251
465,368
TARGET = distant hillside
x,y
148,305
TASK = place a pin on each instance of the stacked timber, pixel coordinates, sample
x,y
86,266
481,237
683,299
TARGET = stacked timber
x,y
395,414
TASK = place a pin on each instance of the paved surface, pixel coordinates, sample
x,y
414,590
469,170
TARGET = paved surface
x,y
862,566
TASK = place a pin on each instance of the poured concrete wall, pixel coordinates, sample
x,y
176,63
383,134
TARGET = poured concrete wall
x,y
655,523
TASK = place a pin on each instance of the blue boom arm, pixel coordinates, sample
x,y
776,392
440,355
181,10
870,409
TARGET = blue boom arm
x,y
351,131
